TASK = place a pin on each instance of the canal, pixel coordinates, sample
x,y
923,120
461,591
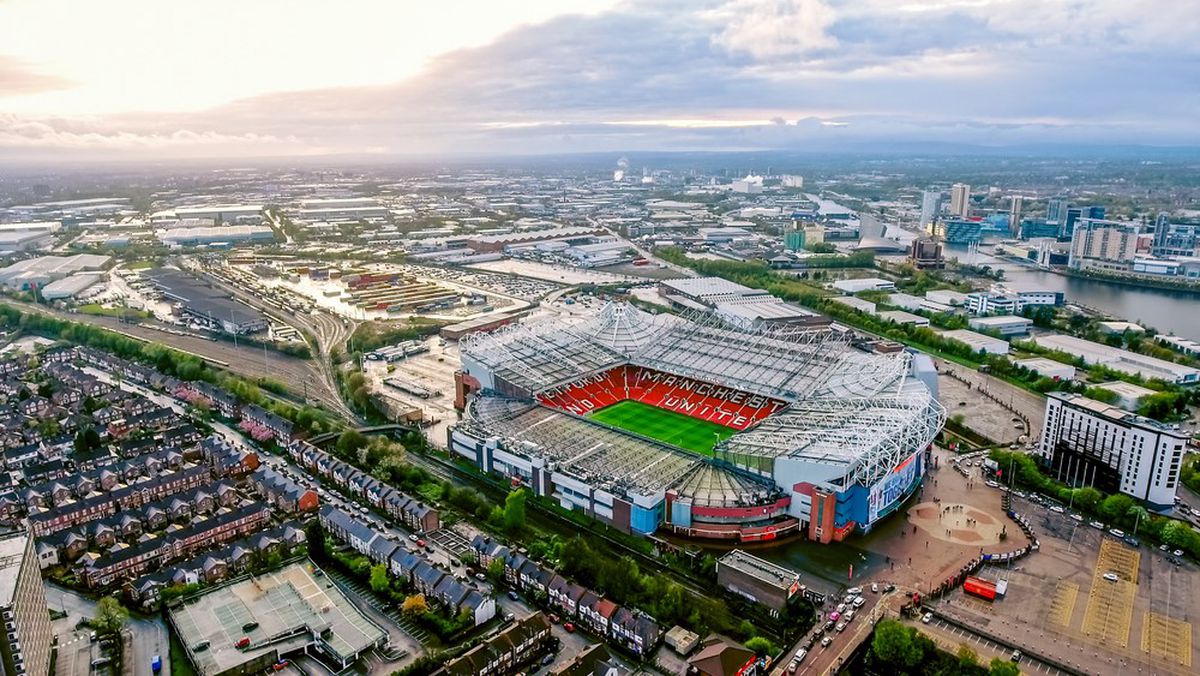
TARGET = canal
x,y
1165,311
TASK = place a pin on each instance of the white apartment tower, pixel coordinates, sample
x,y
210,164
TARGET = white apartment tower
x,y
1089,443
960,200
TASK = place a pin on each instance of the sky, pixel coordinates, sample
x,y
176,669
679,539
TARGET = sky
x,y
251,78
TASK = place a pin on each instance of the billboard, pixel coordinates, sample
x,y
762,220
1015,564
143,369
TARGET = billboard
x,y
892,487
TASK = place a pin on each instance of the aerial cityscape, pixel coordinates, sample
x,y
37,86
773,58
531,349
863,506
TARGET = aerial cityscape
x,y
468,343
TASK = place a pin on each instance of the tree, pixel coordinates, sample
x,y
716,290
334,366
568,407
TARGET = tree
x,y
1003,667
414,606
967,658
761,646
495,570
314,534
110,617
514,510
894,645
379,578
86,440
1115,507
1087,498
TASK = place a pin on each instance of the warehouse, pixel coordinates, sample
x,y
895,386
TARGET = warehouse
x,y
72,287
1120,360
1048,368
204,304
218,234
757,580
38,272
1005,325
977,341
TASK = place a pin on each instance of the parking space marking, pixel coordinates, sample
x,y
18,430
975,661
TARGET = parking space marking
x,y
1063,604
1109,612
1167,638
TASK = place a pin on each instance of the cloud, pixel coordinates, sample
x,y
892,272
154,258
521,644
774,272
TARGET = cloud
x,y
688,75
18,79
767,29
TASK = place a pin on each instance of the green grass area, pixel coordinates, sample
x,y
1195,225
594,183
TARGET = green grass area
x,y
100,310
677,429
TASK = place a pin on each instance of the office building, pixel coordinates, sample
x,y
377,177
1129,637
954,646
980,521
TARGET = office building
x,y
1174,240
1005,325
978,342
1056,211
1014,215
926,254
758,580
25,643
960,200
931,202
1089,443
1036,228
962,231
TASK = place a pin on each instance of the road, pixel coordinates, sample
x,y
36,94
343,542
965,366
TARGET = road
x,y
149,636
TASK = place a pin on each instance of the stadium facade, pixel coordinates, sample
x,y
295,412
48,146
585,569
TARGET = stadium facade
x,y
820,437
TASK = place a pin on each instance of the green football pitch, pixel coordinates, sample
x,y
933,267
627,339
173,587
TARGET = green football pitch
x,y
670,427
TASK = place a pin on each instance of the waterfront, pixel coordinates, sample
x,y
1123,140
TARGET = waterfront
x,y
1166,311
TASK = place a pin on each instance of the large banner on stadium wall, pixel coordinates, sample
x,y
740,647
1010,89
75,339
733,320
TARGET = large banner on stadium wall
x,y
889,489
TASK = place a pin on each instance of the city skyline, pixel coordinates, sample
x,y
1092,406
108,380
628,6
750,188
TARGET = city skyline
x,y
140,79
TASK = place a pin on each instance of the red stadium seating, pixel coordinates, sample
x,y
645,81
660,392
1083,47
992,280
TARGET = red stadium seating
x,y
699,399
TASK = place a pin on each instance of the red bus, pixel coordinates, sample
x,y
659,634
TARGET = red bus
x,y
980,587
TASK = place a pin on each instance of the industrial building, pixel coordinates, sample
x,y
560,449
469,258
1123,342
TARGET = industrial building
x,y
1048,368
1090,443
205,304
978,342
1120,360
25,645
737,304
344,208
72,287
38,272
760,581
1129,396
221,213
864,284
1005,325
227,234
251,625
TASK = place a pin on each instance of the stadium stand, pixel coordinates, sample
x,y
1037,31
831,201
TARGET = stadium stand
x,y
696,398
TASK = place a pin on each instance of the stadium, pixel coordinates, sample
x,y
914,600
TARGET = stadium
x,y
698,426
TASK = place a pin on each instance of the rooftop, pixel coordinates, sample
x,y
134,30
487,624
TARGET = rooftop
x,y
765,571
12,551
292,609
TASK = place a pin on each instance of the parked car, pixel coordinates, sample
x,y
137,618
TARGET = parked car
x,y
874,587
569,627
513,595
1111,577
826,641
1116,532
927,618
841,626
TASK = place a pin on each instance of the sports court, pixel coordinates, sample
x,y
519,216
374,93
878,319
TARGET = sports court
x,y
677,429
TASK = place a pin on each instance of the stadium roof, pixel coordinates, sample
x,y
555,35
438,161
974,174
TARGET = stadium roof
x,y
847,407
783,361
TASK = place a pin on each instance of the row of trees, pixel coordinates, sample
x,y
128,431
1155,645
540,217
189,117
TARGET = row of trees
x,y
1117,509
900,649
307,420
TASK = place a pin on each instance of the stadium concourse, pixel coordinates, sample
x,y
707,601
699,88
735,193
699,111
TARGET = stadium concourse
x,y
694,424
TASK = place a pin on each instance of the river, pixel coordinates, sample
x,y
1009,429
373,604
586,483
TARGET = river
x,y
1165,311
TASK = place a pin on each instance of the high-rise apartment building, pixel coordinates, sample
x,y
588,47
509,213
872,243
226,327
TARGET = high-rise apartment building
x,y
25,641
960,199
1103,244
1014,215
931,201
